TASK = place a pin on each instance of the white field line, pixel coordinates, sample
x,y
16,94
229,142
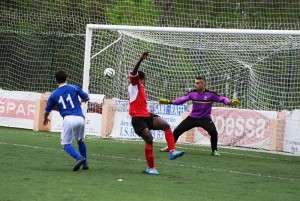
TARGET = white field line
x,y
198,148
166,163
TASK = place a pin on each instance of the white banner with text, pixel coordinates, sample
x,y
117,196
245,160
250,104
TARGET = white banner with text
x,y
122,127
17,108
239,127
292,132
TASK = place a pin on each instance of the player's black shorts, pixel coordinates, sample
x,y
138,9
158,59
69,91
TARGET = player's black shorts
x,y
140,123
190,122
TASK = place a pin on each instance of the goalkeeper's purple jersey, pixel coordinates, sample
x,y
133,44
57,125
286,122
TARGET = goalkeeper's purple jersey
x,y
202,102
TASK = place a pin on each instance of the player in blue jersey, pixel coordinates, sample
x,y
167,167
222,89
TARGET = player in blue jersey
x,y
66,99
200,115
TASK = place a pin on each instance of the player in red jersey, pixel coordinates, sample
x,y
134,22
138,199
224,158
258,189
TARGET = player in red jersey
x,y
143,121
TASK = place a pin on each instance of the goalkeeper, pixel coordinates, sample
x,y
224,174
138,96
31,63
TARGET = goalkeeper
x,y
200,115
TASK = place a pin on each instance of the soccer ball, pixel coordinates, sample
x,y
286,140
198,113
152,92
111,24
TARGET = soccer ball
x,y
109,73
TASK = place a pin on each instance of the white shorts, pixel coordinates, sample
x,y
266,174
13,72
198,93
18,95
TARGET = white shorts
x,y
72,129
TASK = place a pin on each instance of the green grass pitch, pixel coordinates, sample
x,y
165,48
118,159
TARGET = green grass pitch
x,y
34,167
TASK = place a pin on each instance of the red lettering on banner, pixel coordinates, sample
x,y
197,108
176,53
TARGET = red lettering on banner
x,y
240,127
20,109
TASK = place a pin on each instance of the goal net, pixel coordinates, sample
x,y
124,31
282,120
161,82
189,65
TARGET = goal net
x,y
258,67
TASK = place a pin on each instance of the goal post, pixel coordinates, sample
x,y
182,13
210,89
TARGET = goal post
x,y
192,30
258,67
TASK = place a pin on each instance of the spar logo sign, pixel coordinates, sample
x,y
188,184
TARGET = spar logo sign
x,y
20,109
241,127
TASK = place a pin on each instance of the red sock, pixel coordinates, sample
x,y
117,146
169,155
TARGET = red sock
x,y
170,139
149,155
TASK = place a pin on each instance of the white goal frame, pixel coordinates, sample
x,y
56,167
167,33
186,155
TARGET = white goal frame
x,y
91,27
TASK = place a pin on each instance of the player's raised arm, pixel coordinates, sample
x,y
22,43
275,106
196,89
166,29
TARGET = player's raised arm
x,y
143,56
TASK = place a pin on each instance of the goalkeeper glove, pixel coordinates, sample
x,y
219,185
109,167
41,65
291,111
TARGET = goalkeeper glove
x,y
164,101
234,102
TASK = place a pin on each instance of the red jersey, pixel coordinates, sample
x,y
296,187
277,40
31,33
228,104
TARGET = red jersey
x,y
137,97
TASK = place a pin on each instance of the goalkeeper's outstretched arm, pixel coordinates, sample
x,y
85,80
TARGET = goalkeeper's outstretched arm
x,y
225,100
177,101
143,56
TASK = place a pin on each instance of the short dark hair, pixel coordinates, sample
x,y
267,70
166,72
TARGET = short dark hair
x,y
61,76
141,75
201,78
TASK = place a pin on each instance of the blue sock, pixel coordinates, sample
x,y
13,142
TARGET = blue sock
x,y
82,149
72,151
